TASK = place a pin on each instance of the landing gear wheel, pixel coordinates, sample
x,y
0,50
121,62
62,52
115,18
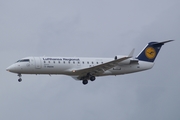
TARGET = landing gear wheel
x,y
92,78
19,80
85,82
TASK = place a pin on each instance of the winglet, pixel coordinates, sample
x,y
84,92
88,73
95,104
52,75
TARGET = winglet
x,y
131,53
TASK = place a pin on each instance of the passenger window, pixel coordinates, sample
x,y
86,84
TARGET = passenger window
x,y
73,62
44,61
87,62
54,62
69,62
83,62
64,62
92,62
49,61
59,61
97,62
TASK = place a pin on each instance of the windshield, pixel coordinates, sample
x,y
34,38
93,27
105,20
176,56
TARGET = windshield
x,y
23,60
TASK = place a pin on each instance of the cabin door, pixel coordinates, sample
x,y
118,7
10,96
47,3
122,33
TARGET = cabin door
x,y
38,63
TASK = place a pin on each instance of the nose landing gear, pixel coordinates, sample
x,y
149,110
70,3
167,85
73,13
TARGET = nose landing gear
x,y
20,79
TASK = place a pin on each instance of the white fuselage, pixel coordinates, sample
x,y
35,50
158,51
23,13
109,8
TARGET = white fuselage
x,y
84,69
66,65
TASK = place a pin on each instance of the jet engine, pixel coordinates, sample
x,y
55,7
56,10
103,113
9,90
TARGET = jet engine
x,y
125,62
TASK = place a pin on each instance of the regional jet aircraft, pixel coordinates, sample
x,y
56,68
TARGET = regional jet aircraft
x,y
85,69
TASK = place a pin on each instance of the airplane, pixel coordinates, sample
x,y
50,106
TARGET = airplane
x,y
85,69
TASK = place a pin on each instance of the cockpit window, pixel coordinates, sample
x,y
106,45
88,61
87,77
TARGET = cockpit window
x,y
23,60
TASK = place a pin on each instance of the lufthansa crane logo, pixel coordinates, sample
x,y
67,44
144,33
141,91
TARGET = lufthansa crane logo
x,y
150,52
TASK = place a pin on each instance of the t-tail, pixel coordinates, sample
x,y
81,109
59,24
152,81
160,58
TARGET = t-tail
x,y
150,52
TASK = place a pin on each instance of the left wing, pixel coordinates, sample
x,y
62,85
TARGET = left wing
x,y
99,69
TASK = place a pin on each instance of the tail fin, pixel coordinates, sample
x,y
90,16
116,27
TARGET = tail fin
x,y
150,52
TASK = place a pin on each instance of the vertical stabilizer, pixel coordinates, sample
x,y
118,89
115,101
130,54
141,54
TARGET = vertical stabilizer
x,y
150,52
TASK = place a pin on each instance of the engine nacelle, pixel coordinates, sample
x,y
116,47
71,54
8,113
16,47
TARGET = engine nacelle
x,y
118,56
125,62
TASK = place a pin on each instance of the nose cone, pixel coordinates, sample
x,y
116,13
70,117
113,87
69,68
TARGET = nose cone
x,y
11,68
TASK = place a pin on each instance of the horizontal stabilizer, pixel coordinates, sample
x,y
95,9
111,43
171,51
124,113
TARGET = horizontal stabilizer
x,y
162,43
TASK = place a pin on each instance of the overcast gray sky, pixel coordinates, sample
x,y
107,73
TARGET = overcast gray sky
x,y
90,28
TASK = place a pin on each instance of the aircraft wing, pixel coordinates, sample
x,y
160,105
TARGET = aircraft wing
x,y
99,69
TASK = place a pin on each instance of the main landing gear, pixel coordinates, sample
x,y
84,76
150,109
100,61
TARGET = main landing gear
x,y
20,79
85,80
92,78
